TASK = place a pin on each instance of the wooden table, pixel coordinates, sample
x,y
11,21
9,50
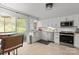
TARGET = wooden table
x,y
10,43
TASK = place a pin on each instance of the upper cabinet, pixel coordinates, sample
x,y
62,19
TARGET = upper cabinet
x,y
76,20
55,22
62,18
67,18
70,18
44,23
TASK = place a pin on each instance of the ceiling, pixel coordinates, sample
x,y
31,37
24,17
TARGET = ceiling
x,y
39,10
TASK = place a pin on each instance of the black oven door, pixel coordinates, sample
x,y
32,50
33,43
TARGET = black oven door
x,y
67,39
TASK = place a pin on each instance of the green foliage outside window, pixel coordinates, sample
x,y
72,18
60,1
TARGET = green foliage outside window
x,y
21,25
9,24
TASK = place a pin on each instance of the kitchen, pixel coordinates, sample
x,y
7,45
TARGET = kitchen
x,y
56,24
66,27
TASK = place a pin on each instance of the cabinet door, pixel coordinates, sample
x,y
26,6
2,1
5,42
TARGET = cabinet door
x,y
44,23
44,36
56,38
76,41
36,36
56,22
50,22
63,19
70,18
76,20
50,36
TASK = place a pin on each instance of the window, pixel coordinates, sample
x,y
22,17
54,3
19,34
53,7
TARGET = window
x,y
21,25
7,24
1,24
10,24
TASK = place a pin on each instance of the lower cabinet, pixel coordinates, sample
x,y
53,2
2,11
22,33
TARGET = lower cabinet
x,y
56,38
48,36
37,36
44,36
76,40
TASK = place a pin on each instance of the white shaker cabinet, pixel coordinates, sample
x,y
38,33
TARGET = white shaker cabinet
x,y
44,36
50,22
36,36
63,18
76,40
56,22
70,18
76,20
44,23
56,38
48,36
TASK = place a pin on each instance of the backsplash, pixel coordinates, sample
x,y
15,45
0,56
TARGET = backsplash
x,y
73,29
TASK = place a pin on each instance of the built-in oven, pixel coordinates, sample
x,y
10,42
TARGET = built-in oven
x,y
66,24
67,38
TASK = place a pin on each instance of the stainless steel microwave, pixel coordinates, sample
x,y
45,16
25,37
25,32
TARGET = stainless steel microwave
x,y
66,24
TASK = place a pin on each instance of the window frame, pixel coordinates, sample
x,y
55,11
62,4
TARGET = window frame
x,y
20,27
15,24
4,17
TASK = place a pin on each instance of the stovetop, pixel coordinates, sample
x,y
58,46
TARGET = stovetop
x,y
68,31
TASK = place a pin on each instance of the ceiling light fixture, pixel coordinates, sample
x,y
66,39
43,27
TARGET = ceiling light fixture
x,y
49,6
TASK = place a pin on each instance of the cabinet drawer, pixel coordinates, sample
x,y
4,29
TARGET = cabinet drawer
x,y
76,41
